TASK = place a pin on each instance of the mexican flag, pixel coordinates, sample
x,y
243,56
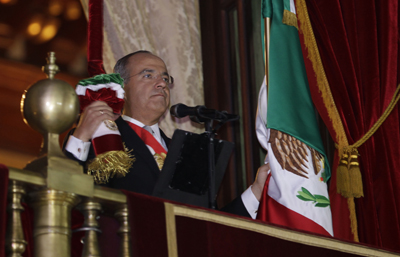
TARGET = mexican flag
x,y
296,193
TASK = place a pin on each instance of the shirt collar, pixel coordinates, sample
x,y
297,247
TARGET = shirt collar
x,y
154,127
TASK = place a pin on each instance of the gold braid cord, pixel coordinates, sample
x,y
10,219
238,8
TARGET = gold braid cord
x,y
351,170
109,164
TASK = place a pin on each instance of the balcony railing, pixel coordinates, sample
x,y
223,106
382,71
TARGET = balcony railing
x,y
52,216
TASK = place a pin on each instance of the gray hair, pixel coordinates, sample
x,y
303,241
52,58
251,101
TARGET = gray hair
x,y
120,66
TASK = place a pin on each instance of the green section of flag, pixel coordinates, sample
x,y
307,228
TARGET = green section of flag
x,y
103,79
290,107
286,5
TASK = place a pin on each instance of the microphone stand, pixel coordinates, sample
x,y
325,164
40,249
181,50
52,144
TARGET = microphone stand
x,y
208,119
211,164
201,114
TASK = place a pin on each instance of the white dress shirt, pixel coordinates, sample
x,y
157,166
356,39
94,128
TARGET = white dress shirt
x,y
250,202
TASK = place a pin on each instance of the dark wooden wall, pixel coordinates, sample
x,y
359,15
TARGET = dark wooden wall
x,y
18,142
229,84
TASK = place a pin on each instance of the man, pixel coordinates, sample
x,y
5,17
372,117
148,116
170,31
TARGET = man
x,y
147,98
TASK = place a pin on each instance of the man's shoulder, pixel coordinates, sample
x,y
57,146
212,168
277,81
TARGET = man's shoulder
x,y
128,135
123,126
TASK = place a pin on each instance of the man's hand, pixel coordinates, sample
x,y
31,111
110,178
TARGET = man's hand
x,y
91,118
261,177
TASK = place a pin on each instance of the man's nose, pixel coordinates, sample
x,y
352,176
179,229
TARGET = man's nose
x,y
161,82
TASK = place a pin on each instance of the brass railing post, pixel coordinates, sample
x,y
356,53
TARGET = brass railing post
x,y
15,243
52,222
124,230
91,211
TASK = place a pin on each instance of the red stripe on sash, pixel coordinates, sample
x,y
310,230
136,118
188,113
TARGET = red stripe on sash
x,y
148,138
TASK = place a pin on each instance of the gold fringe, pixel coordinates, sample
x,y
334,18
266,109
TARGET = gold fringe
x,y
326,94
109,164
353,219
322,81
290,19
355,175
342,177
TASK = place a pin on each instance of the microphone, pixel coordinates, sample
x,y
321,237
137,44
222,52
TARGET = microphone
x,y
200,113
181,110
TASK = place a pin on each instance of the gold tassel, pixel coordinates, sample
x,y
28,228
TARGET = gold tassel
x,y
109,164
343,179
290,19
355,174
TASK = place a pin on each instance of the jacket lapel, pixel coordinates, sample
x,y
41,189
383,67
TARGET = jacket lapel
x,y
167,140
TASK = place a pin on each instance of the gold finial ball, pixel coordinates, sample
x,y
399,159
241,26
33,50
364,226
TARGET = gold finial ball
x,y
50,106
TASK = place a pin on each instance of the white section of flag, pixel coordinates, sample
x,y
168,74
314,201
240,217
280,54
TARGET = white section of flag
x,y
261,117
284,185
103,130
81,90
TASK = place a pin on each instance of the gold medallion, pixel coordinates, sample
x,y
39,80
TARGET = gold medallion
x,y
111,125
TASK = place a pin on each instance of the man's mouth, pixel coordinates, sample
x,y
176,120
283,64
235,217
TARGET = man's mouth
x,y
160,94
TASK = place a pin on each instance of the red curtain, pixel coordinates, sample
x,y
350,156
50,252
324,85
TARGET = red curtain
x,y
358,42
95,38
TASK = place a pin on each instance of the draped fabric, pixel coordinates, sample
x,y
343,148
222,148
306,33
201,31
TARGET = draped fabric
x,y
95,38
169,29
358,44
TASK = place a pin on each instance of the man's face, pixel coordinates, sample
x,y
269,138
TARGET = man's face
x,y
146,98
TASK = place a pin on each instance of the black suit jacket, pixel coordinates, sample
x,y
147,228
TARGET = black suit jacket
x,y
143,175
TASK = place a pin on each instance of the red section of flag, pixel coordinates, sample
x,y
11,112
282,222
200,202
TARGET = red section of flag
x,y
274,212
106,143
106,95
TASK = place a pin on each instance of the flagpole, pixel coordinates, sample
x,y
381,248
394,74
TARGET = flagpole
x,y
267,35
